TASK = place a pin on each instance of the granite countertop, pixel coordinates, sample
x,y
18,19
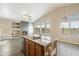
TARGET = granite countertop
x,y
38,41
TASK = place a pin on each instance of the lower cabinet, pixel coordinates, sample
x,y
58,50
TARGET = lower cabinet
x,y
34,49
39,50
31,48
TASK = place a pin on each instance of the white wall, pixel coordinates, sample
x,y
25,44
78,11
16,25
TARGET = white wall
x,y
24,26
30,29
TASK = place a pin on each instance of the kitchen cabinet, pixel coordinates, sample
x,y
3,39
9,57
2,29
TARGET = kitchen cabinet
x,y
39,50
34,48
31,48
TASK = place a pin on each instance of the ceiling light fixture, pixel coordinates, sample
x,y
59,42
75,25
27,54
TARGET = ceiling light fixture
x,y
65,13
26,17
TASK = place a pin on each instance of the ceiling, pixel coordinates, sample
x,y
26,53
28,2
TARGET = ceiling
x,y
17,10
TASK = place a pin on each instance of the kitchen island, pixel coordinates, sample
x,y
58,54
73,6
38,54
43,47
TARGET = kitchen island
x,y
38,47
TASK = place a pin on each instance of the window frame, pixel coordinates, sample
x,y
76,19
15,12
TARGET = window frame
x,y
63,34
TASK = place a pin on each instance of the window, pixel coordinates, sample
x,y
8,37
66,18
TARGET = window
x,y
42,30
70,25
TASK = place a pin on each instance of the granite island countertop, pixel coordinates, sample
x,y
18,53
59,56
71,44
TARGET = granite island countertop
x,y
38,41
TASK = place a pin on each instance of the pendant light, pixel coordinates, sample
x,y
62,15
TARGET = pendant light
x,y
26,17
65,16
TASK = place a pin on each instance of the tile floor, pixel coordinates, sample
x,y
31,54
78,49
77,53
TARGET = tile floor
x,y
11,47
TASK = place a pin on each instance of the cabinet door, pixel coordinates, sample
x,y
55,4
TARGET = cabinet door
x,y
39,50
24,46
31,50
